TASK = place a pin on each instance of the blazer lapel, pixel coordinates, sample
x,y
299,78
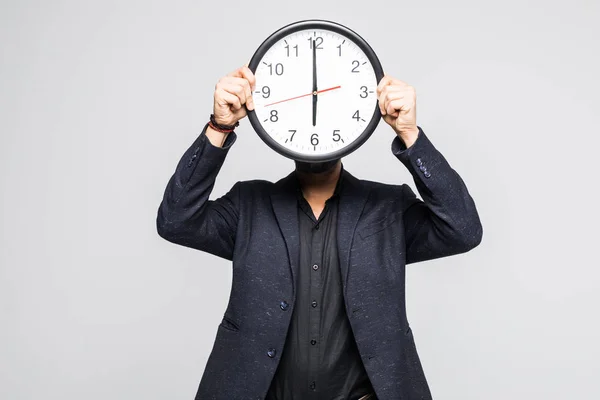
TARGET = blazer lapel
x,y
285,207
353,197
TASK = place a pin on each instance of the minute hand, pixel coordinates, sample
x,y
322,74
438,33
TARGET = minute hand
x,y
315,88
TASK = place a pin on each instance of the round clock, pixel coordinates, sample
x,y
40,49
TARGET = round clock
x,y
315,96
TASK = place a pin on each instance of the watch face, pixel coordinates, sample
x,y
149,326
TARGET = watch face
x,y
315,96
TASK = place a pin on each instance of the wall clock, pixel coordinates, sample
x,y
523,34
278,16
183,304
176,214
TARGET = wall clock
x,y
315,96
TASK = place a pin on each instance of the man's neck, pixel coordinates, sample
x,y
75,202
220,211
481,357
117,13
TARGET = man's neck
x,y
319,186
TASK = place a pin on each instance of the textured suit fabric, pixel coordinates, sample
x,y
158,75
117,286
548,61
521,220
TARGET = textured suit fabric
x,y
381,229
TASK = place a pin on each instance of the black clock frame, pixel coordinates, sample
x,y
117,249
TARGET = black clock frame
x,y
342,30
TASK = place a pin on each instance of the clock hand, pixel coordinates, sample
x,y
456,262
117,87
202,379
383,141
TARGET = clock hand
x,y
315,89
304,95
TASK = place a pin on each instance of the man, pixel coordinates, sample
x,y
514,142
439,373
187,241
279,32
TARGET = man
x,y
317,306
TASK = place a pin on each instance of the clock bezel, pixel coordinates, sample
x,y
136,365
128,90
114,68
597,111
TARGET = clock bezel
x,y
351,35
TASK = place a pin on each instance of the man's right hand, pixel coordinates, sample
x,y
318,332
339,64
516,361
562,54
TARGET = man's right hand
x,y
231,93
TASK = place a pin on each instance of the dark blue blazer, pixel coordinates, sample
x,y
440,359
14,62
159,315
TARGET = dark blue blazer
x,y
381,228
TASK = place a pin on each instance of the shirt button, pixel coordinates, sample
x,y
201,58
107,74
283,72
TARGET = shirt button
x,y
284,305
313,342
315,267
271,353
314,303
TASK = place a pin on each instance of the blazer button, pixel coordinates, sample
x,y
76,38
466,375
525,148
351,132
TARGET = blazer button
x,y
423,168
427,174
192,160
419,162
284,305
271,353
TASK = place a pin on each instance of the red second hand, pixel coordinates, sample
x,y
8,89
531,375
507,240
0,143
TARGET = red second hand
x,y
304,95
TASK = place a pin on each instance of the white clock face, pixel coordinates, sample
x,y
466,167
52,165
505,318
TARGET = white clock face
x,y
315,122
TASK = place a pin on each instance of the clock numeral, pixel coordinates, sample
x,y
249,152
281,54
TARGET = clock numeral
x,y
357,117
356,65
364,92
336,136
288,49
293,131
274,117
340,48
278,69
318,42
314,140
266,92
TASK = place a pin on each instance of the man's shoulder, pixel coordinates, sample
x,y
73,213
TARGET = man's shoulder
x,y
255,184
380,186
381,194
258,187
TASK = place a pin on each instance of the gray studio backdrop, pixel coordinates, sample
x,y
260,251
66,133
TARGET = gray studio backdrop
x,y
98,100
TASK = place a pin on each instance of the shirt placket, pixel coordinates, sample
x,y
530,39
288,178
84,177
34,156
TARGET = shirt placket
x,y
316,288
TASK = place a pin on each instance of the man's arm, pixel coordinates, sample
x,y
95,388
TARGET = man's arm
x,y
186,216
446,221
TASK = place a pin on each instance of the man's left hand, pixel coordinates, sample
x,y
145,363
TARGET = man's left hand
x,y
398,105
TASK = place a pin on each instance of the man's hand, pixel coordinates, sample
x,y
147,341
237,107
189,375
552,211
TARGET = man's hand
x,y
231,93
398,105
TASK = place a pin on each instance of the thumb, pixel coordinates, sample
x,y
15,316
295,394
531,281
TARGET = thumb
x,y
390,120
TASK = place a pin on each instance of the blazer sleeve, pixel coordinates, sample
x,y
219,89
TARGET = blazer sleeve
x,y
446,221
186,216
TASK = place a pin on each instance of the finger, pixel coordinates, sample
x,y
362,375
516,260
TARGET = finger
x,y
251,79
392,90
247,74
225,98
399,105
396,91
388,80
239,114
387,90
235,88
391,96
383,82
241,82
389,119
247,90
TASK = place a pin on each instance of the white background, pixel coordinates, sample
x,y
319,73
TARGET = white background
x,y
98,100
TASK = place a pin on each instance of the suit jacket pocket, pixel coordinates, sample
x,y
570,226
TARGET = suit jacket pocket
x,y
378,226
229,324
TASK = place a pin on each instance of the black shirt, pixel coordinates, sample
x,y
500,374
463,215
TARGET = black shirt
x,y
320,359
